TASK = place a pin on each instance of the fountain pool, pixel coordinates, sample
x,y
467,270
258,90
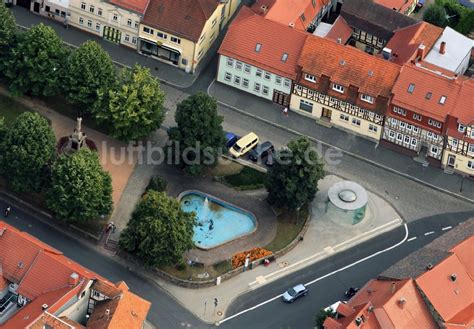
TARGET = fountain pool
x,y
218,222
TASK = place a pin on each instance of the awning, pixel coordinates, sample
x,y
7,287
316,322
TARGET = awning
x,y
170,48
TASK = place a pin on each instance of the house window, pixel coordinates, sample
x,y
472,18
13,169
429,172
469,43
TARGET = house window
x,y
310,77
406,140
442,100
127,37
245,83
416,129
258,47
434,150
97,26
227,76
201,39
367,98
256,87
115,17
411,88
134,40
230,62
176,40
265,90
417,117
238,65
399,111
454,142
461,128
57,12
214,21
434,123
129,22
428,95
373,128
136,24
472,132
91,9
247,68
391,134
237,80
409,126
200,54
267,76
306,106
89,23
83,5
414,141
470,165
344,117
213,35
471,148
278,80
303,18
99,11
403,124
393,121
399,137
148,30
287,83
161,35
81,20
338,88
259,73
356,122
284,57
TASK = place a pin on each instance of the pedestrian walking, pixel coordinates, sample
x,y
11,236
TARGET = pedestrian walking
x,y
285,111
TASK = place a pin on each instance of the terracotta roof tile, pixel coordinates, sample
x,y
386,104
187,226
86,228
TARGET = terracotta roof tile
x,y
345,309
138,6
398,5
331,323
340,30
183,18
464,108
275,39
348,66
106,289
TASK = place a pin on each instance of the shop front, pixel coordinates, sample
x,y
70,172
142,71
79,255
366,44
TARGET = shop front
x,y
160,51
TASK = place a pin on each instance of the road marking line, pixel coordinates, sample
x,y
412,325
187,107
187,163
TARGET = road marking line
x,y
446,228
320,278
429,233
411,239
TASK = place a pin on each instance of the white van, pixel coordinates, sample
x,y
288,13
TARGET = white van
x,y
244,145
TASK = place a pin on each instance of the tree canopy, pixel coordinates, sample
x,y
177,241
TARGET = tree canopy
x,y
37,63
80,189
28,147
199,130
293,179
89,68
8,31
159,232
435,15
133,107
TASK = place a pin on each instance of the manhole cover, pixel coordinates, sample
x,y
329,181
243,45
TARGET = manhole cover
x,y
219,313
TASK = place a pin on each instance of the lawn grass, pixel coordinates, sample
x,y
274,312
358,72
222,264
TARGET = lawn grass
x,y
187,272
224,168
288,228
247,179
10,108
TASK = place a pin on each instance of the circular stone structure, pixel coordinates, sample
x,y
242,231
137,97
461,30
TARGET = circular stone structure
x,y
347,202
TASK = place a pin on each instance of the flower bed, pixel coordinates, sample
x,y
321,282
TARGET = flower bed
x,y
254,254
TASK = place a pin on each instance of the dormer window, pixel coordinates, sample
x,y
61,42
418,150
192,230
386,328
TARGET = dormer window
x,y
284,57
411,88
338,88
461,128
428,95
367,98
258,47
309,77
442,100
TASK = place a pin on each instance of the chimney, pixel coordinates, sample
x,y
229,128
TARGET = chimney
x,y
402,301
339,40
74,279
421,52
292,25
264,8
387,53
442,48
453,277
393,287
44,307
107,314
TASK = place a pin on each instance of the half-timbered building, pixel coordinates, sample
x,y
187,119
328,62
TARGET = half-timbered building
x,y
343,86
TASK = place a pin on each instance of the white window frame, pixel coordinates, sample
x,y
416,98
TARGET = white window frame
x,y
265,90
267,76
259,73
247,68
278,81
238,65
338,88
399,137
230,62
367,98
99,11
344,117
97,26
391,134
91,9
471,148
414,142
461,128
245,83
373,128
81,20
470,164
287,83
83,5
310,77
228,76
257,87
237,80
434,147
356,122
129,22
175,40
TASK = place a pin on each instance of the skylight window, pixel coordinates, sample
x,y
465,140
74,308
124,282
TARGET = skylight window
x,y
284,57
258,47
442,100
428,95
411,88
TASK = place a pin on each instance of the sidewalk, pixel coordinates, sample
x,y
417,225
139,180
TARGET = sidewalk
x,y
121,55
324,238
350,144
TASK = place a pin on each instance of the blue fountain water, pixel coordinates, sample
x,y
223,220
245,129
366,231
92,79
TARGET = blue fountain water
x,y
217,222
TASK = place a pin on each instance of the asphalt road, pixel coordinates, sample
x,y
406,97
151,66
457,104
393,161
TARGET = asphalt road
x,y
166,312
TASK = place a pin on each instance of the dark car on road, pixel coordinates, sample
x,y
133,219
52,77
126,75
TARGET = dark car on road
x,y
261,151
294,293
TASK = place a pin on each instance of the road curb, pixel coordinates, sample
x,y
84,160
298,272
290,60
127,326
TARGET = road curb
x,y
358,157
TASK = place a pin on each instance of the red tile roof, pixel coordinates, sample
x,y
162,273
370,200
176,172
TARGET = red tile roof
x,y
183,18
348,65
340,30
425,81
138,6
405,42
398,5
464,108
452,297
276,39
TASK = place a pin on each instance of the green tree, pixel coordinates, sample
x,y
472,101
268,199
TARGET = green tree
x,y
37,63
89,68
435,14
7,35
293,179
28,148
159,232
80,188
133,107
466,23
3,131
199,133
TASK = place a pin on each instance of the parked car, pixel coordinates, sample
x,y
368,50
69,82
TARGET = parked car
x,y
270,159
244,145
230,139
261,151
294,293
419,5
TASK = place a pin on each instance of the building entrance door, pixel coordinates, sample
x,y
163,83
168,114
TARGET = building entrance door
x,y
281,98
451,160
326,114
112,34
24,3
36,7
